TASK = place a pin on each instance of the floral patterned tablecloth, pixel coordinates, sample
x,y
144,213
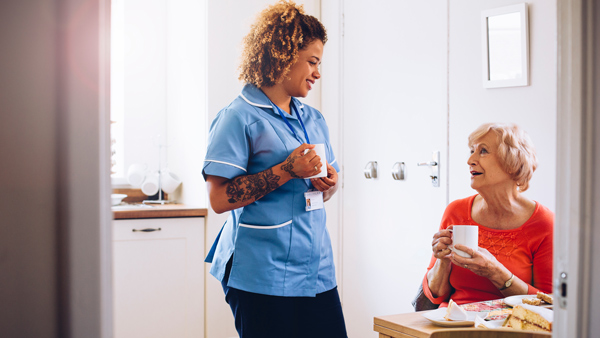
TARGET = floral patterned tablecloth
x,y
496,309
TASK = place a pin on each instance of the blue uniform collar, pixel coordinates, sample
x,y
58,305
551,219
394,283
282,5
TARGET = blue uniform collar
x,y
255,97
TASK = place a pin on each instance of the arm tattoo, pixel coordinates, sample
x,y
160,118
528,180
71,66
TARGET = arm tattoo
x,y
255,186
289,167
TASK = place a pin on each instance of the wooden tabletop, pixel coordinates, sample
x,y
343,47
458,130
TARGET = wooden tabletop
x,y
414,325
157,211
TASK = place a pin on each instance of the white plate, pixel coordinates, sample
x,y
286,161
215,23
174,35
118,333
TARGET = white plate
x,y
518,300
437,317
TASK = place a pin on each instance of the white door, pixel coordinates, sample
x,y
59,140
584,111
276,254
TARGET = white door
x,y
395,110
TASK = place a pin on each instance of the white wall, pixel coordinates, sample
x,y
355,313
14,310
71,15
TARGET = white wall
x,y
164,91
532,107
186,98
145,87
228,22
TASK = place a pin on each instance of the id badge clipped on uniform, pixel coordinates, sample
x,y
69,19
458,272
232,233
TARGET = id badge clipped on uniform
x,y
314,200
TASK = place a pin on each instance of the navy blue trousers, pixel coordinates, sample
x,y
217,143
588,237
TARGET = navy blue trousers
x,y
264,316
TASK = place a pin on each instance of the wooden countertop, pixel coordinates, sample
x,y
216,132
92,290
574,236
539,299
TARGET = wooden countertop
x,y
158,211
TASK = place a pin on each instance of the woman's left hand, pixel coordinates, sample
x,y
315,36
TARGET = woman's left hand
x,y
482,262
327,185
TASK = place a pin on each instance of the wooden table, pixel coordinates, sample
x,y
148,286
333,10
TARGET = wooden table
x,y
414,325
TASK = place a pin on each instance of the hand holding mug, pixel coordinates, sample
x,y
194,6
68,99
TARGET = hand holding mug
x,y
302,163
319,150
482,263
442,240
325,183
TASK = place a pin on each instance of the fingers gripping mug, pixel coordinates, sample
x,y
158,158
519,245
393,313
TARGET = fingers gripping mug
x,y
467,235
320,151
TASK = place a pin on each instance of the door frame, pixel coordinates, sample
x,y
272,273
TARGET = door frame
x,y
575,157
84,233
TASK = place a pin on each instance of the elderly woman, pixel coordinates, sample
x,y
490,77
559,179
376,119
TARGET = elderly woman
x,y
515,233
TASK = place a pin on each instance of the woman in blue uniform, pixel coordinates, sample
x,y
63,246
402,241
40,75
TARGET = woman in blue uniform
x,y
273,256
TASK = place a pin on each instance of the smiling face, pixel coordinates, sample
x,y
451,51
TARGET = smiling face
x,y
305,71
486,167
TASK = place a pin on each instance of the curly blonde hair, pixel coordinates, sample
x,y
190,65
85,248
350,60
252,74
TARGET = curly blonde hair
x,y
272,45
515,150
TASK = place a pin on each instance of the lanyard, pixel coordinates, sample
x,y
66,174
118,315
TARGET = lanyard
x,y
288,122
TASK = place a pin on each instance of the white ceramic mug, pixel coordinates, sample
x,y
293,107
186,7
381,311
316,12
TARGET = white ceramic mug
x,y
320,150
136,174
150,185
467,235
169,182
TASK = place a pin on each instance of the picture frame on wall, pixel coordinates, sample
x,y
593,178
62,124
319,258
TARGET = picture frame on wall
x,y
505,46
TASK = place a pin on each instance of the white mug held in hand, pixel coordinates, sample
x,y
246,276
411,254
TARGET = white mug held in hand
x,y
467,235
320,150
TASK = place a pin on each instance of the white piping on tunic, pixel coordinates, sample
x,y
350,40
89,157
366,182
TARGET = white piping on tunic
x,y
231,164
254,104
262,105
265,227
333,161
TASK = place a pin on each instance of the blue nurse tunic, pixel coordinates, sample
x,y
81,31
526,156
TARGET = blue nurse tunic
x,y
278,247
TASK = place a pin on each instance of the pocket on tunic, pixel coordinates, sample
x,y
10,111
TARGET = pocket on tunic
x,y
261,252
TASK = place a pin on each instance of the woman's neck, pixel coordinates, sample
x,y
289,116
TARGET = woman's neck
x,y
499,201
504,208
278,96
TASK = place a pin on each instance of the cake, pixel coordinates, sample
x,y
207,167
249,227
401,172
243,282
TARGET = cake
x,y
545,297
455,312
529,317
532,301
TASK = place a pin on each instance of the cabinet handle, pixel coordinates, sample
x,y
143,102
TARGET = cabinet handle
x,y
146,230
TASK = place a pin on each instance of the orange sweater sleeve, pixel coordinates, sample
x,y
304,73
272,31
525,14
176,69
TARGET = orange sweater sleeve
x,y
541,234
452,216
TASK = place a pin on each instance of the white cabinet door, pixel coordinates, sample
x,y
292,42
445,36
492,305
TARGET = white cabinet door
x,y
395,110
158,277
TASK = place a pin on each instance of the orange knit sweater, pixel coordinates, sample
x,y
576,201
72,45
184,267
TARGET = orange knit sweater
x,y
526,251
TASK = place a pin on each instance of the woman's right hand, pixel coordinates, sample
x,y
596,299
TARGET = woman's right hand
x,y
301,165
441,243
438,275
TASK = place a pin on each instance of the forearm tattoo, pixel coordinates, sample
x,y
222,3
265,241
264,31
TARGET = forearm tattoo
x,y
249,187
289,167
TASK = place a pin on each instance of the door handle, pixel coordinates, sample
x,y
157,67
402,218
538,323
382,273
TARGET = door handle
x,y
398,171
434,164
371,170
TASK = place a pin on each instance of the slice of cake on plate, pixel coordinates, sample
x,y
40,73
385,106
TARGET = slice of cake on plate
x,y
532,301
455,312
533,318
545,297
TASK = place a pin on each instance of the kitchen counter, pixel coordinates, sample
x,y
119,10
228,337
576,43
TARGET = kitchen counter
x,y
138,211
